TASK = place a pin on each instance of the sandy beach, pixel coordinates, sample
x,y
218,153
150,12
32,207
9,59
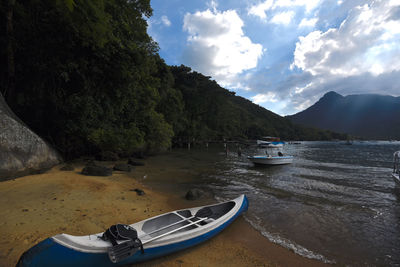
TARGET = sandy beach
x,y
35,207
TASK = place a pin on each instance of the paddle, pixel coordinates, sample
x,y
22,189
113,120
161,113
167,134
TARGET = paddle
x,y
124,250
173,231
202,213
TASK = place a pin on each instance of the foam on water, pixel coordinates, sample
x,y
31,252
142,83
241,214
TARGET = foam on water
x,y
286,243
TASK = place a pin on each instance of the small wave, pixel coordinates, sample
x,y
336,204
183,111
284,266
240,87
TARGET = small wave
x,y
275,238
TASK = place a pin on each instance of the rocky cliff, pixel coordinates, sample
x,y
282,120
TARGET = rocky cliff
x,y
21,150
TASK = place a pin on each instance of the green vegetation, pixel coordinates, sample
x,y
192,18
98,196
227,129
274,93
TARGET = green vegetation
x,y
214,113
87,77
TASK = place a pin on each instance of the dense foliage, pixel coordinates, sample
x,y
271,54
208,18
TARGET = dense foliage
x,y
215,113
88,78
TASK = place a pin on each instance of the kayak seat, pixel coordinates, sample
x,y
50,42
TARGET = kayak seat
x,y
185,213
221,209
188,214
166,222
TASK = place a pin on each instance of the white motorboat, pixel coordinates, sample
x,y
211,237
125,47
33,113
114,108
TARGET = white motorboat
x,y
273,156
271,160
396,167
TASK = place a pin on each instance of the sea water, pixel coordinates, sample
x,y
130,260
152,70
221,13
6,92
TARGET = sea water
x,y
336,203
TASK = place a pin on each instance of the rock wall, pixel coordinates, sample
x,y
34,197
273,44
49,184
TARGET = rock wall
x,y
22,151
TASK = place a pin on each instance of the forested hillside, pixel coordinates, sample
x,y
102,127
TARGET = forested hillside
x,y
212,112
87,77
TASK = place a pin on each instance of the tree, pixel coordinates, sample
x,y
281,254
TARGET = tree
x,y
10,49
89,76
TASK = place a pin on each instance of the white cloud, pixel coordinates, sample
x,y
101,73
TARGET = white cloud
x,y
217,45
308,4
283,18
364,42
166,21
260,10
263,98
308,22
213,5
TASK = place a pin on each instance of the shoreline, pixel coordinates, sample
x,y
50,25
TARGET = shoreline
x,y
42,205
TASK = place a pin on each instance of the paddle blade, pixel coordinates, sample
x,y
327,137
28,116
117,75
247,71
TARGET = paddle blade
x,y
122,251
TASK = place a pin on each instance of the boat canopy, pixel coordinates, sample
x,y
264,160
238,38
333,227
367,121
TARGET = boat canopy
x,y
270,139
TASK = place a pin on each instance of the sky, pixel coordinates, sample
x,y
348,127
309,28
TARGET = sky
x,y
284,54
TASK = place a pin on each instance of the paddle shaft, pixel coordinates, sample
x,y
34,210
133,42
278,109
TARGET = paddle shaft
x,y
173,231
167,226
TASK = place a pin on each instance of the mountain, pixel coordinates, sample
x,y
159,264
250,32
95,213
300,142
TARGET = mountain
x,y
370,116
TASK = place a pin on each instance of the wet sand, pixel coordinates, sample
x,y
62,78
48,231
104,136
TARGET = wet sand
x,y
35,207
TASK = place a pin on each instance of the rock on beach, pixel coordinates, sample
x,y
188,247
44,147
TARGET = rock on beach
x,y
22,151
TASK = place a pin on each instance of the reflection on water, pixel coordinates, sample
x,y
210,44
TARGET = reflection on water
x,y
336,203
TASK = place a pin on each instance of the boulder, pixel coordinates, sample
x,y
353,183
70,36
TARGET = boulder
x,y
132,162
96,170
22,152
138,191
194,194
123,167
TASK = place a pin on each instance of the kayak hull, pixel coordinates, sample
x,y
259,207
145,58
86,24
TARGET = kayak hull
x,y
49,252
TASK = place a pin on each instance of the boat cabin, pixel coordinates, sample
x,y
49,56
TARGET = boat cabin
x,y
269,141
274,151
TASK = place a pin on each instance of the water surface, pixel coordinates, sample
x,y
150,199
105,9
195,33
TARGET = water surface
x,y
336,202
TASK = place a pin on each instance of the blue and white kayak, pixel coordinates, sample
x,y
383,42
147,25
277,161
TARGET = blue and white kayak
x,y
160,235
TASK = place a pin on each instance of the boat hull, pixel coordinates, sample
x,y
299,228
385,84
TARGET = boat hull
x,y
265,160
49,252
396,178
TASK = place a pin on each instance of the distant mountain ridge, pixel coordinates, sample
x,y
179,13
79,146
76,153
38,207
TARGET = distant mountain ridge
x,y
370,116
